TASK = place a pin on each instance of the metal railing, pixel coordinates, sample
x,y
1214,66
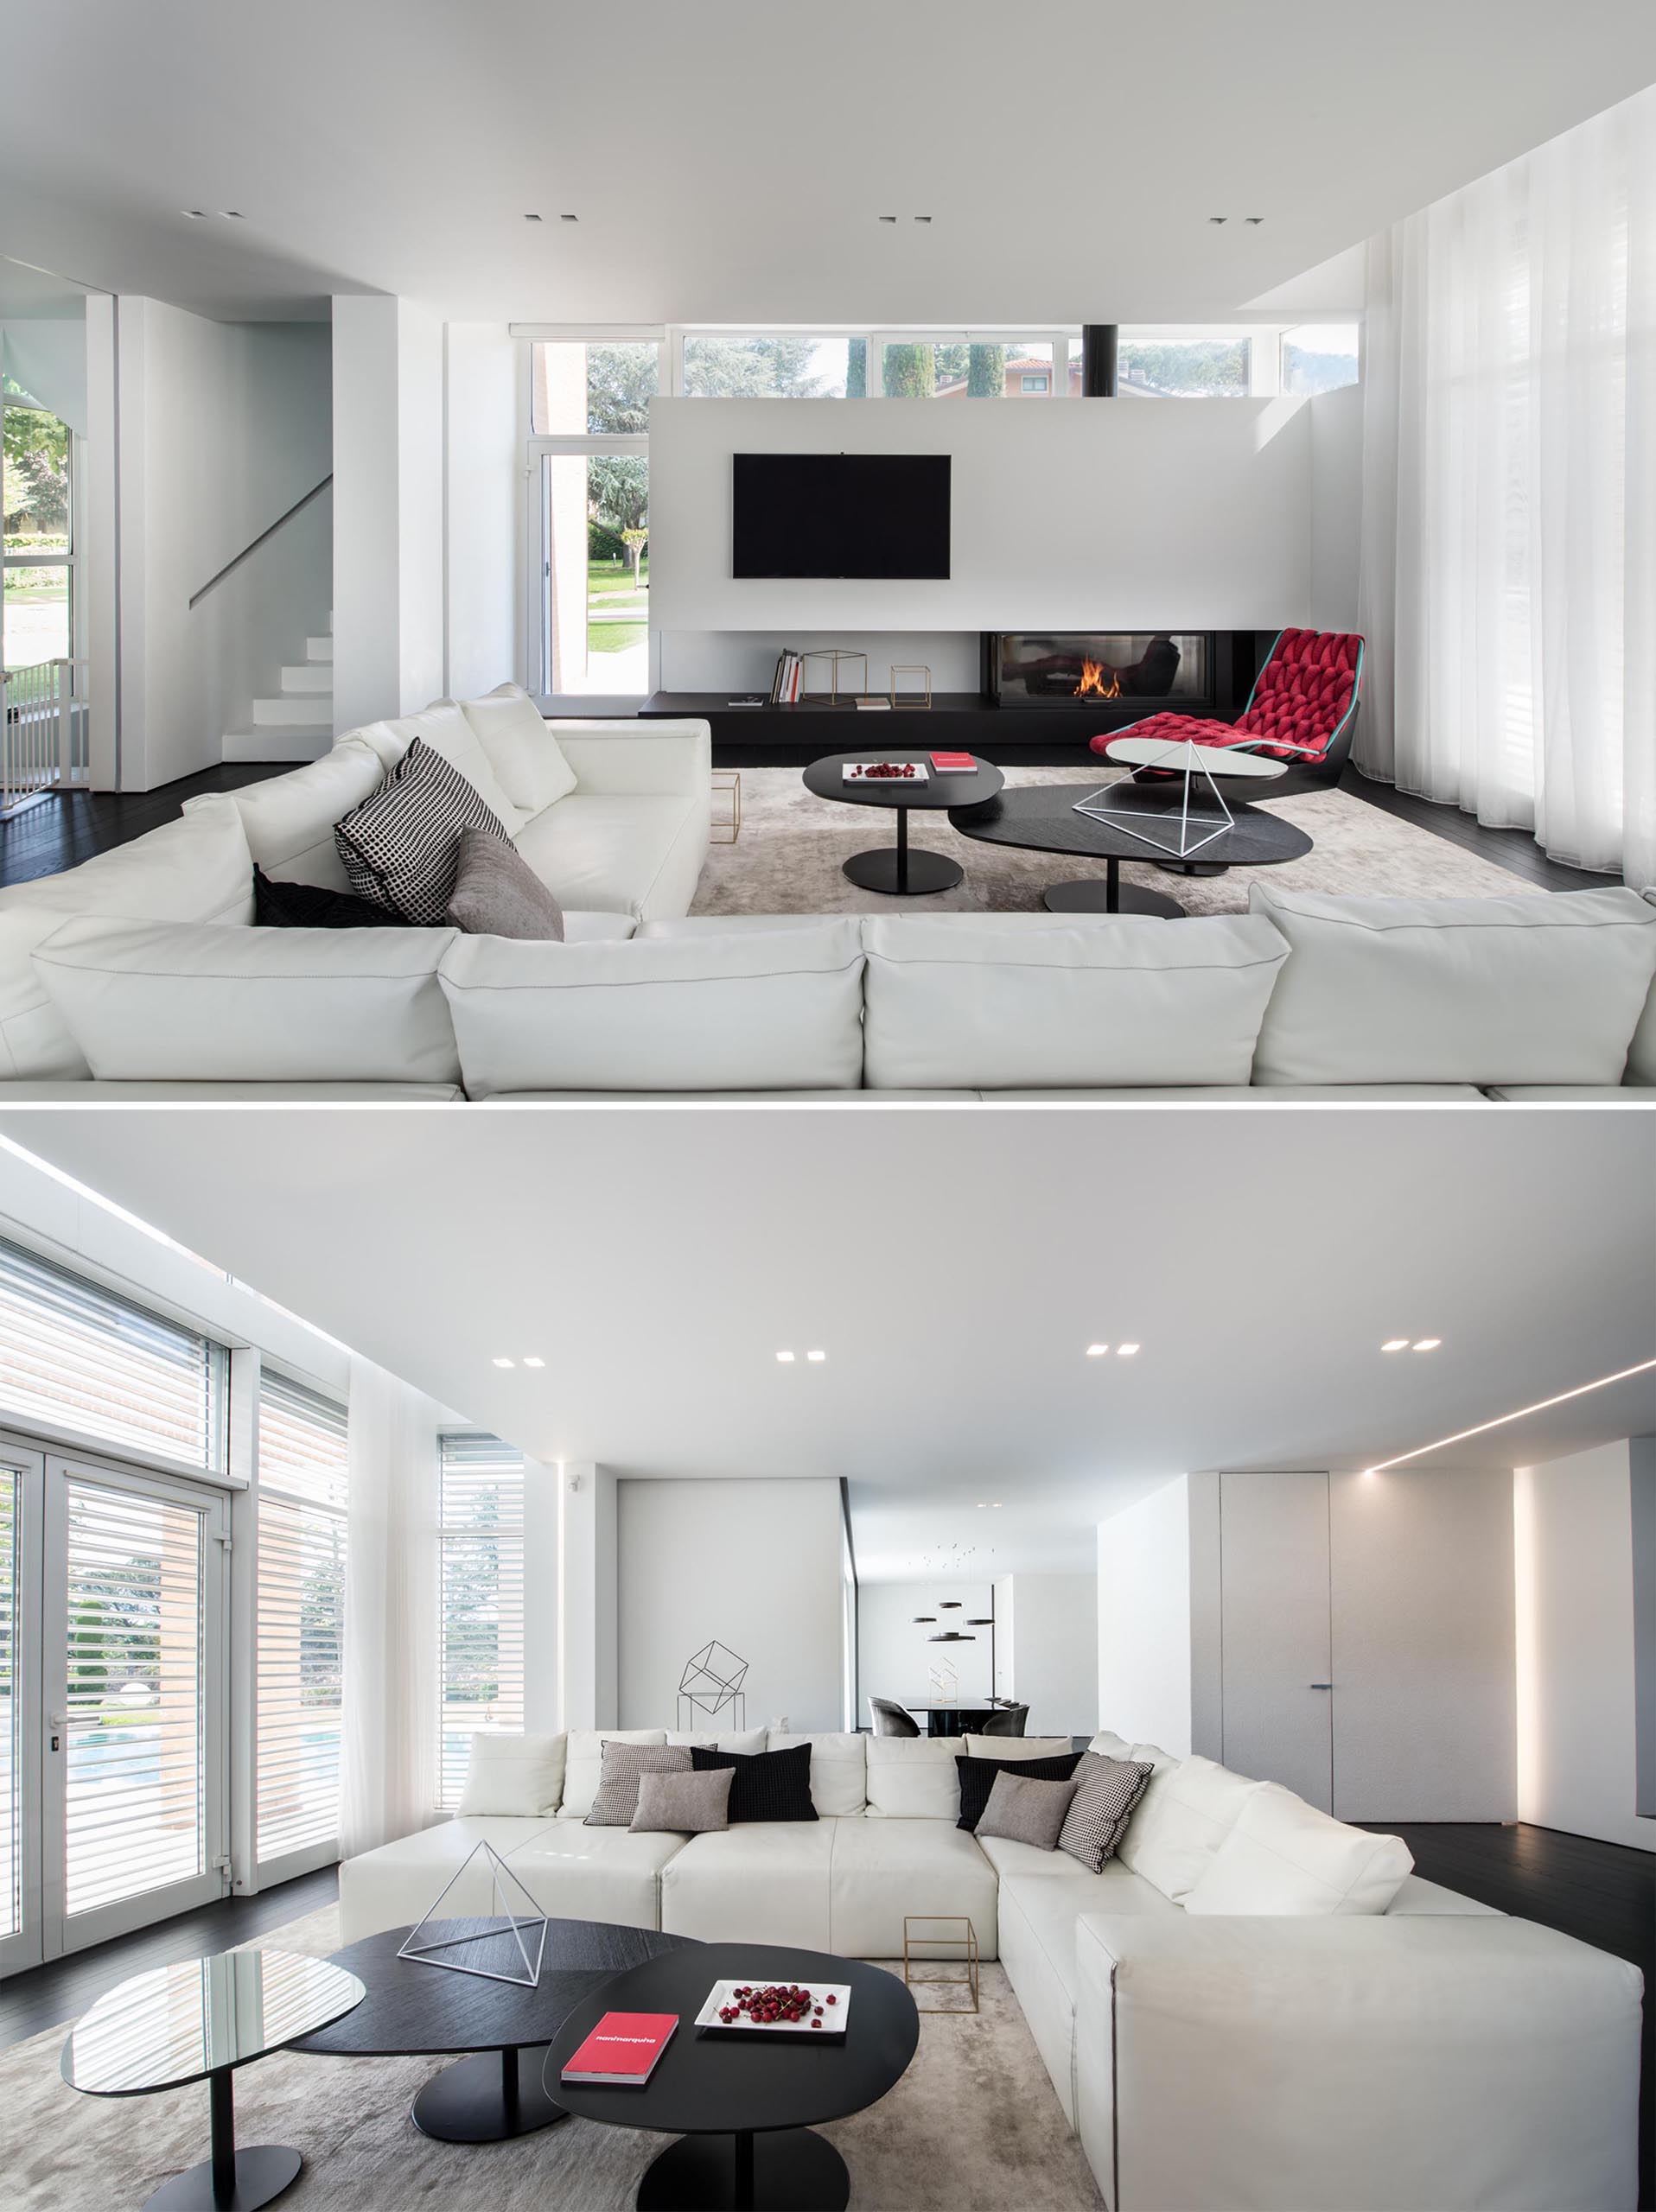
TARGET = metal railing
x,y
44,739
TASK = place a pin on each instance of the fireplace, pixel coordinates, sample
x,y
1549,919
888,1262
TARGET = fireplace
x,y
1144,669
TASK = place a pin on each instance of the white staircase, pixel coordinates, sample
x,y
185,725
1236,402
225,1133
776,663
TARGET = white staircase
x,y
298,724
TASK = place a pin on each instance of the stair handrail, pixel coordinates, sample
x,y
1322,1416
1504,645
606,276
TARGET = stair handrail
x,y
253,545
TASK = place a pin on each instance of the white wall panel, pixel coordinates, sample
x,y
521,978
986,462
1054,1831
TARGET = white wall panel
x,y
1274,1533
1144,1619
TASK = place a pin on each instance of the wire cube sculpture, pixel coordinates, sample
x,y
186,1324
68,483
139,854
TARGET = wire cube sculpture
x,y
712,1684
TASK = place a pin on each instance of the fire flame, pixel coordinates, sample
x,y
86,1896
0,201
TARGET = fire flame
x,y
1094,684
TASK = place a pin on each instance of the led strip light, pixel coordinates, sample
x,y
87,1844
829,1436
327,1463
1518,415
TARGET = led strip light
x,y
1500,1420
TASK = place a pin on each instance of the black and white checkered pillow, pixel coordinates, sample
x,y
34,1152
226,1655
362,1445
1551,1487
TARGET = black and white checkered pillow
x,y
401,847
1105,1792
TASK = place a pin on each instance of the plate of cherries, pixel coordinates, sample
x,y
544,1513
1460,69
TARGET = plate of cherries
x,y
775,2008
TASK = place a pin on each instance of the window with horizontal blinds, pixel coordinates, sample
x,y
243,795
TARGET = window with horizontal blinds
x,y
11,1804
83,1357
302,1439
480,1594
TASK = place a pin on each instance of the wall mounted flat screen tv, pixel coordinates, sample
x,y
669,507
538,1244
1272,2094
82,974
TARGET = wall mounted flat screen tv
x,y
840,514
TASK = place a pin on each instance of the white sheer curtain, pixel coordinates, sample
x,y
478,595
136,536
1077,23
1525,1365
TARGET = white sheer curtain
x,y
1508,589
388,1783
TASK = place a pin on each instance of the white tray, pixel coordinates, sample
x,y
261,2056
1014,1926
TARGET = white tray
x,y
723,1992
857,771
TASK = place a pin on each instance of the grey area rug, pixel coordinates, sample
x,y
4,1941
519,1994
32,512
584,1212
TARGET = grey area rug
x,y
788,857
972,2126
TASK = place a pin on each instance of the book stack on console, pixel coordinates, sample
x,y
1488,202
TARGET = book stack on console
x,y
786,683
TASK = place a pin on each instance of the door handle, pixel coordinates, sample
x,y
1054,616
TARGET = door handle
x,y
1319,1686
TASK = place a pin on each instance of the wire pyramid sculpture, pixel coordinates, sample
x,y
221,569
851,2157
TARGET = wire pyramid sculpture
x,y
501,1881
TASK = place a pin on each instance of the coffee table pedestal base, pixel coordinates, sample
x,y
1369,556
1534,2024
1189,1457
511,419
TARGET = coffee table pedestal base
x,y
793,2169
488,2098
260,2175
902,873
1095,898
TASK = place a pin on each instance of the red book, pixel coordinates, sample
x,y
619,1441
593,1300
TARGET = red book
x,y
623,2048
952,764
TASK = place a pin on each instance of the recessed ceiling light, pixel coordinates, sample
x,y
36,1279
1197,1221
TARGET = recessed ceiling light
x,y
1126,1352
232,214
888,218
531,219
1253,220
195,214
1219,218
996,1507
506,1362
1395,1343
1097,1351
786,1358
1427,1344
818,1355
922,219
534,1363
569,219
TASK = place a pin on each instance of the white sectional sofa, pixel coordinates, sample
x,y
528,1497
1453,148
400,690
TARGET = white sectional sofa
x,y
1288,2050
138,976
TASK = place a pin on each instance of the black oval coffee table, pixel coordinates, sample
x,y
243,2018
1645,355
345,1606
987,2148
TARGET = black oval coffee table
x,y
1042,818
894,869
412,2006
744,2105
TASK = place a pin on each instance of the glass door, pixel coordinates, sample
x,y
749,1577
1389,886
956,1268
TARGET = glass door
x,y
20,1496
133,1754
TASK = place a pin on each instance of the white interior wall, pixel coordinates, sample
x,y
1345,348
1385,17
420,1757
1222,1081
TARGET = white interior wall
x,y
484,488
1337,505
585,1693
756,1564
1056,1652
1143,1599
894,1658
1576,1730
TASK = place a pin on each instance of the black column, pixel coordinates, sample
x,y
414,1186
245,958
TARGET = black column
x,y
1098,359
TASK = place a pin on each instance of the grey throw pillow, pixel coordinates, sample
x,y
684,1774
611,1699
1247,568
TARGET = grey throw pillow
x,y
497,894
1026,1811
1106,1791
684,1804
617,1798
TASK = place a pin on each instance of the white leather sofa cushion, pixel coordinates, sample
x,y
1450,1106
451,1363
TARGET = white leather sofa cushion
x,y
1252,1093
956,1000
444,728
770,1099
728,924
288,820
218,1093
574,1872
884,1869
583,1760
397,1885
1109,1746
160,1001
638,854
384,741
913,1778
196,869
521,747
1185,1813
1283,1856
1415,1896
659,758
759,1882
1541,988
748,1742
1573,1093
1014,1747
513,1773
839,1769
754,1013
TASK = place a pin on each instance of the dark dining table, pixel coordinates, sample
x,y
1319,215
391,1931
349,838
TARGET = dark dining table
x,y
955,1719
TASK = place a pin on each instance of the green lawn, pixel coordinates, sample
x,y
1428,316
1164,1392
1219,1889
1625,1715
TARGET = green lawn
x,y
615,612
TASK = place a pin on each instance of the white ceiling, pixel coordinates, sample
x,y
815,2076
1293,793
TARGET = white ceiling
x,y
954,1265
34,295
731,159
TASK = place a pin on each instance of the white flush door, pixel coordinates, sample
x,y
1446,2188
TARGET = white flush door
x,y
1274,1619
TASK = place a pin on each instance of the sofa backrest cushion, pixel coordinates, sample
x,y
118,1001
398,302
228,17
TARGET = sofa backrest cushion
x,y
196,869
194,1001
1109,1746
583,1761
514,1774
1283,1856
1015,1747
745,1740
912,1778
288,820
521,747
769,1011
1641,1054
1185,1813
1542,988
965,1002
839,1769
445,729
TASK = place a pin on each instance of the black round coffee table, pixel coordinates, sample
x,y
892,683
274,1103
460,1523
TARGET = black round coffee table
x,y
1042,818
744,2106
413,2006
894,869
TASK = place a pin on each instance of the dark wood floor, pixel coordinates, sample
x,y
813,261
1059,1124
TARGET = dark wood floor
x,y
49,1996
60,833
1601,1893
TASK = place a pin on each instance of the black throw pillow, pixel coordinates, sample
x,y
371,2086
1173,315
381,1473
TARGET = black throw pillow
x,y
279,905
764,1785
977,1779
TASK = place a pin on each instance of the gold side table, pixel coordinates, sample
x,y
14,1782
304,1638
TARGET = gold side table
x,y
923,1937
727,785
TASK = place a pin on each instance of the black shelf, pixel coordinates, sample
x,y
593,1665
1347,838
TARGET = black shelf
x,y
759,737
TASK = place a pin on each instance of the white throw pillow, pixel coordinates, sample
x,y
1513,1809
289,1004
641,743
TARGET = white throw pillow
x,y
447,731
748,1741
521,748
196,869
1185,1813
514,1774
1542,988
288,820
914,1777
1285,1856
778,1012
839,1769
964,1003
179,1001
583,1760
1016,1747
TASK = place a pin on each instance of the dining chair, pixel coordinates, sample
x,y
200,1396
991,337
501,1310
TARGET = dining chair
x,y
891,1720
